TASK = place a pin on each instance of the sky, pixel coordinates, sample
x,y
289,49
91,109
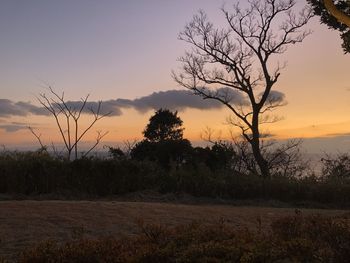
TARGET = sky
x,y
123,53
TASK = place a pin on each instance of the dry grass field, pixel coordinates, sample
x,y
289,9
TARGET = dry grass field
x,y
24,223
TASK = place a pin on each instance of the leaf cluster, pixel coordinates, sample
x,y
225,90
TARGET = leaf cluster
x,y
326,18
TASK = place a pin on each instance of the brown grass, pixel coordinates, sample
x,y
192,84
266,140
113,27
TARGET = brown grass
x,y
24,223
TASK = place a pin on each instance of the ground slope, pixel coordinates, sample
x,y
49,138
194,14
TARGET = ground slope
x,y
23,223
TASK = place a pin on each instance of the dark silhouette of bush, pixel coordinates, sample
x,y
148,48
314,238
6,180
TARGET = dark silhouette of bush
x,y
336,166
33,174
217,157
165,153
37,173
116,153
295,238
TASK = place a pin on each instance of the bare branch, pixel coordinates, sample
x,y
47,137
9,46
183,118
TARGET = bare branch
x,y
99,137
38,137
60,108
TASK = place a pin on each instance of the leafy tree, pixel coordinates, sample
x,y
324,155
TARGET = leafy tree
x,y
163,140
163,152
238,57
164,125
336,15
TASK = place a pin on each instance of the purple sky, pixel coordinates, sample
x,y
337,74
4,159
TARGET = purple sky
x,y
127,49
120,48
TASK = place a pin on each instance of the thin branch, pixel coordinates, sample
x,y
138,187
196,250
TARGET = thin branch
x,y
37,136
99,137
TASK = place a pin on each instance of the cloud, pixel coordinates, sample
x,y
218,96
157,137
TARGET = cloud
x,y
10,108
108,106
338,134
276,96
13,126
170,99
32,109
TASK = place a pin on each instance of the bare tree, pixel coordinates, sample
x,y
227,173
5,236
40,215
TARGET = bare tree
x,y
283,159
239,58
67,119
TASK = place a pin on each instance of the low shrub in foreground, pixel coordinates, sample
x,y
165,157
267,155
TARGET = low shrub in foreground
x,y
291,239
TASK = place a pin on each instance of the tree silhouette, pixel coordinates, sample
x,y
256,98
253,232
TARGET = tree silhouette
x,y
335,16
67,120
164,125
239,58
163,142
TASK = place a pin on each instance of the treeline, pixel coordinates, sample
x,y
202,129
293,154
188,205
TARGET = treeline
x,y
167,163
38,173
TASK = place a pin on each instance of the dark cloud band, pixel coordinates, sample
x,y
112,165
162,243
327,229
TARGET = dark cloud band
x,y
171,99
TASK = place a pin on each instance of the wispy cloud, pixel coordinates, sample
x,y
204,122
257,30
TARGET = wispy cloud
x,y
13,126
338,134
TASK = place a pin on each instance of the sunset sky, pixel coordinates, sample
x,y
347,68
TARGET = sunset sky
x,y
118,49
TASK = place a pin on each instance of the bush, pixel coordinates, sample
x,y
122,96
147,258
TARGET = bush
x,y
164,153
336,167
34,174
37,173
291,239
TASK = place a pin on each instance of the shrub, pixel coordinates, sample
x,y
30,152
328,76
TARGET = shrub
x,y
37,173
33,174
291,239
337,167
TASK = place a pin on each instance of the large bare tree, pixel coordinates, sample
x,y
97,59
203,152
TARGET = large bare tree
x,y
67,116
238,57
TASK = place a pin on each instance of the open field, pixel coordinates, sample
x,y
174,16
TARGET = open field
x,y
23,223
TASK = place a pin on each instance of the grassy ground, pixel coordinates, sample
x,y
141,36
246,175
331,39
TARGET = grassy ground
x,y
23,223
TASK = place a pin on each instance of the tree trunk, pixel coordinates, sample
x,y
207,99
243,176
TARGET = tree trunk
x,y
69,154
255,144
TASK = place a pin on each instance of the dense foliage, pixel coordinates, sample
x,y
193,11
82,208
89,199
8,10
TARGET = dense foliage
x,y
163,153
36,173
326,18
164,125
295,238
